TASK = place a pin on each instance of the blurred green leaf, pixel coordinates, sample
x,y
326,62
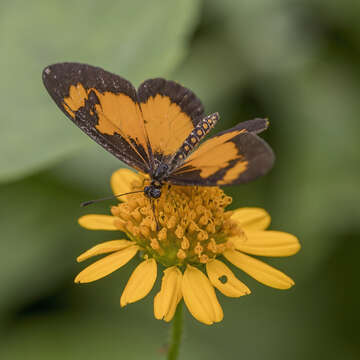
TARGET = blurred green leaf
x,y
88,169
136,39
211,70
266,37
40,238
315,176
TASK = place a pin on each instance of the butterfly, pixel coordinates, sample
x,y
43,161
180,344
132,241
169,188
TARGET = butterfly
x,y
157,129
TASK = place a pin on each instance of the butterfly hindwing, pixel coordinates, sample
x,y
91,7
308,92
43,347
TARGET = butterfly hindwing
x,y
104,106
234,156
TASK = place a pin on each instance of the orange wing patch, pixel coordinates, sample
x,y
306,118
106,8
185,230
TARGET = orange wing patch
x,y
233,173
76,99
117,113
166,125
215,141
209,158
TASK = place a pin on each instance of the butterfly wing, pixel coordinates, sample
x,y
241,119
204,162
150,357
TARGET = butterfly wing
x,y
170,112
138,127
103,105
234,156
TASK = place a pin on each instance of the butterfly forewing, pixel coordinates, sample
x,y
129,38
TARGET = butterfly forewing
x,y
104,106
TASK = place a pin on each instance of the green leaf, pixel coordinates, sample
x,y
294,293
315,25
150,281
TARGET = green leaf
x,y
135,39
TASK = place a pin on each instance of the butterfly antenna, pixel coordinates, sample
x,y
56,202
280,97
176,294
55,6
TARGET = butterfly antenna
x,y
86,203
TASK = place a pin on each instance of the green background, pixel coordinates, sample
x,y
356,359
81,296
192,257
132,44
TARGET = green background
x,y
296,62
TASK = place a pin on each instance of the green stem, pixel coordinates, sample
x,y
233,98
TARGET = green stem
x,y
176,331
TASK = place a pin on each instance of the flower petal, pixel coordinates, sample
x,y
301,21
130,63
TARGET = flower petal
x,y
199,296
97,222
232,286
260,271
267,243
251,218
105,247
140,283
122,182
167,299
169,316
106,265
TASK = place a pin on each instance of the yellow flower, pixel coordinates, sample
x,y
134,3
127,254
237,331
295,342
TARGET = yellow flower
x,y
195,233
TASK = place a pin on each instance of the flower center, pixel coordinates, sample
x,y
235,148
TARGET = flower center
x,y
193,224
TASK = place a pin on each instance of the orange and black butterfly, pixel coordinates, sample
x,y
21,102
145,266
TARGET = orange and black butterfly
x,y
157,128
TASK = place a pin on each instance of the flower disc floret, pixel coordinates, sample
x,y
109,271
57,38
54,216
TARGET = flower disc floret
x,y
189,224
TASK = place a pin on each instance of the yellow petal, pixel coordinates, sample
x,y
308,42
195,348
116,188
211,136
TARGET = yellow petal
x,y
260,271
267,243
168,317
167,299
106,265
122,182
97,222
140,283
224,279
251,218
199,296
104,248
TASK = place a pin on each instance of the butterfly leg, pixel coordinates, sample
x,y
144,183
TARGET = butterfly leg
x,y
153,209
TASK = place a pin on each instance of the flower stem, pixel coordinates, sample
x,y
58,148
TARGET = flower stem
x,y
176,332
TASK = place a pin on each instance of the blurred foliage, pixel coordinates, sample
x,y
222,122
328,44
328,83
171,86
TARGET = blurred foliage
x,y
295,62
127,37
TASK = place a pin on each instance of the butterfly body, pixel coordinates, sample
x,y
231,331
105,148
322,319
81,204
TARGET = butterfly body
x,y
157,129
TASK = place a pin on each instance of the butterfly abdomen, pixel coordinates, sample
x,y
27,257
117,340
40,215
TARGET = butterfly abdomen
x,y
193,140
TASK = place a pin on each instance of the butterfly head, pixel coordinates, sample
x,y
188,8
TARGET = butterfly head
x,y
153,191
